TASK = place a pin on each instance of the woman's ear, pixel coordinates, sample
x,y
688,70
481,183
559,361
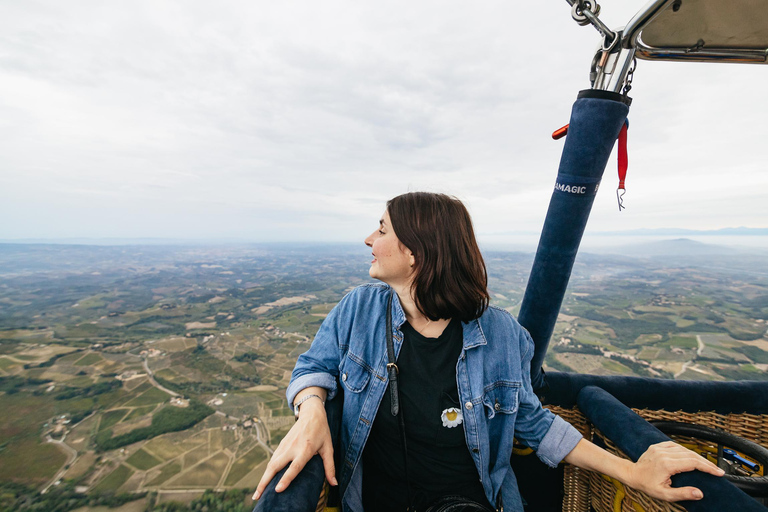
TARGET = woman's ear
x,y
411,258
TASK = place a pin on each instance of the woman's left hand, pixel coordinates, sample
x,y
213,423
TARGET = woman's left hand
x,y
653,471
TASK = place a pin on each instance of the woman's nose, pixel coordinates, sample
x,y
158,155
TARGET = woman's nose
x,y
369,241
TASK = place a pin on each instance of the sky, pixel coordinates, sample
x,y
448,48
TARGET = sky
x,y
297,120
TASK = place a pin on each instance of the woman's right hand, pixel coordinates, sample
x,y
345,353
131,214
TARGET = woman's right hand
x,y
309,436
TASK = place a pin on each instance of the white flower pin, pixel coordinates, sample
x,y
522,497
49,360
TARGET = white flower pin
x,y
452,417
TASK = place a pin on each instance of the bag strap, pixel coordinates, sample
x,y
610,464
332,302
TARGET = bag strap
x,y
392,369
394,395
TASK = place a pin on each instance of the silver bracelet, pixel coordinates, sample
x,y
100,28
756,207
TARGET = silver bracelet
x,y
304,399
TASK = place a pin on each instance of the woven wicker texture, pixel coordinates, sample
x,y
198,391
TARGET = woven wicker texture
x,y
575,480
610,495
607,495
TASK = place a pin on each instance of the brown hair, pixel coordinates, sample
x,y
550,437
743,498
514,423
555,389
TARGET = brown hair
x,y
450,276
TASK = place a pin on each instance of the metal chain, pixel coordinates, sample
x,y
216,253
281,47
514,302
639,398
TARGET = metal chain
x,y
630,77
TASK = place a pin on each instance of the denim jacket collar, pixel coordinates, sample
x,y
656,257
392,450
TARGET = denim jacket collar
x,y
473,333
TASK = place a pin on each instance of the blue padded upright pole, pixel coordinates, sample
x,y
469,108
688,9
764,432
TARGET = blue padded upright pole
x,y
596,120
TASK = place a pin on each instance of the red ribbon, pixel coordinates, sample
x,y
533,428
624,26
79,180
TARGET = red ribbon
x,y
623,161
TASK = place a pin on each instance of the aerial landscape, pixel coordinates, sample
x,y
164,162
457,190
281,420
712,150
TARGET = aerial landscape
x,y
152,377
184,189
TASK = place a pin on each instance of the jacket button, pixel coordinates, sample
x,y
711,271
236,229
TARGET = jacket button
x,y
497,406
344,377
475,450
468,405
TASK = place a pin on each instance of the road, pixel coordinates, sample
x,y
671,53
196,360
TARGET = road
x,y
71,457
258,428
154,382
685,367
699,351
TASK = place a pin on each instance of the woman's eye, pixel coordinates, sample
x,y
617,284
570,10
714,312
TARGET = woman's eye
x,y
381,232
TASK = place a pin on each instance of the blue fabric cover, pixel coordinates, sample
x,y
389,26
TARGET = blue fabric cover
x,y
671,395
596,120
633,435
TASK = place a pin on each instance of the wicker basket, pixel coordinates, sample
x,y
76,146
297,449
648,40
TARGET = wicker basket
x,y
605,494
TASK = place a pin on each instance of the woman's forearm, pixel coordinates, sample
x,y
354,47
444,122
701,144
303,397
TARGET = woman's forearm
x,y
589,456
651,473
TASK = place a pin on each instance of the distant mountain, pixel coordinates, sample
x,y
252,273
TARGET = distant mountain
x,y
740,231
676,247
127,241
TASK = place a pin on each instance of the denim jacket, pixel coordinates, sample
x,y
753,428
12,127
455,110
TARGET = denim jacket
x,y
492,374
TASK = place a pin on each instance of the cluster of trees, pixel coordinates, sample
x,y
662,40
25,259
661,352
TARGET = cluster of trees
x,y
63,498
14,383
228,501
198,388
168,419
49,362
756,354
578,348
252,356
739,373
88,391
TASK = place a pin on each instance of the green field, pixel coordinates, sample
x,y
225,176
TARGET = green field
x,y
114,480
6,363
140,411
194,456
89,359
204,473
150,397
166,449
112,417
245,465
143,460
683,342
25,457
70,358
166,472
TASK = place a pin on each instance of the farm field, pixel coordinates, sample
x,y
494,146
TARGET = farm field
x,y
163,371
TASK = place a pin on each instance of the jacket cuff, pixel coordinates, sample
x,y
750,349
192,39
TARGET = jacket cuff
x,y
560,439
322,380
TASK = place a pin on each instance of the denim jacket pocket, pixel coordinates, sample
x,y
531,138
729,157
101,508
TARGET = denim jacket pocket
x,y
354,374
501,397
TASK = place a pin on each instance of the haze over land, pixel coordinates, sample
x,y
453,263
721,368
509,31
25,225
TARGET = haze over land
x,y
162,369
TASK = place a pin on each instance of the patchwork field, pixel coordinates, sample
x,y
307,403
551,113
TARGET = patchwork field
x,y
165,372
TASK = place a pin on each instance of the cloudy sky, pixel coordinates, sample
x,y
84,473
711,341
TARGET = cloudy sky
x,y
296,120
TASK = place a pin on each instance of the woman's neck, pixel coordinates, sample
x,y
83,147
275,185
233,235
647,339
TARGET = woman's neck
x,y
423,325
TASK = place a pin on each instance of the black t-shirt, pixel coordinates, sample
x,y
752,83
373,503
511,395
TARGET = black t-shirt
x,y
439,462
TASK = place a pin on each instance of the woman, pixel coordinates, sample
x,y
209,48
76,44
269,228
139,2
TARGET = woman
x,y
463,379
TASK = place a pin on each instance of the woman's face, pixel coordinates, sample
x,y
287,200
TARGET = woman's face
x,y
392,261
